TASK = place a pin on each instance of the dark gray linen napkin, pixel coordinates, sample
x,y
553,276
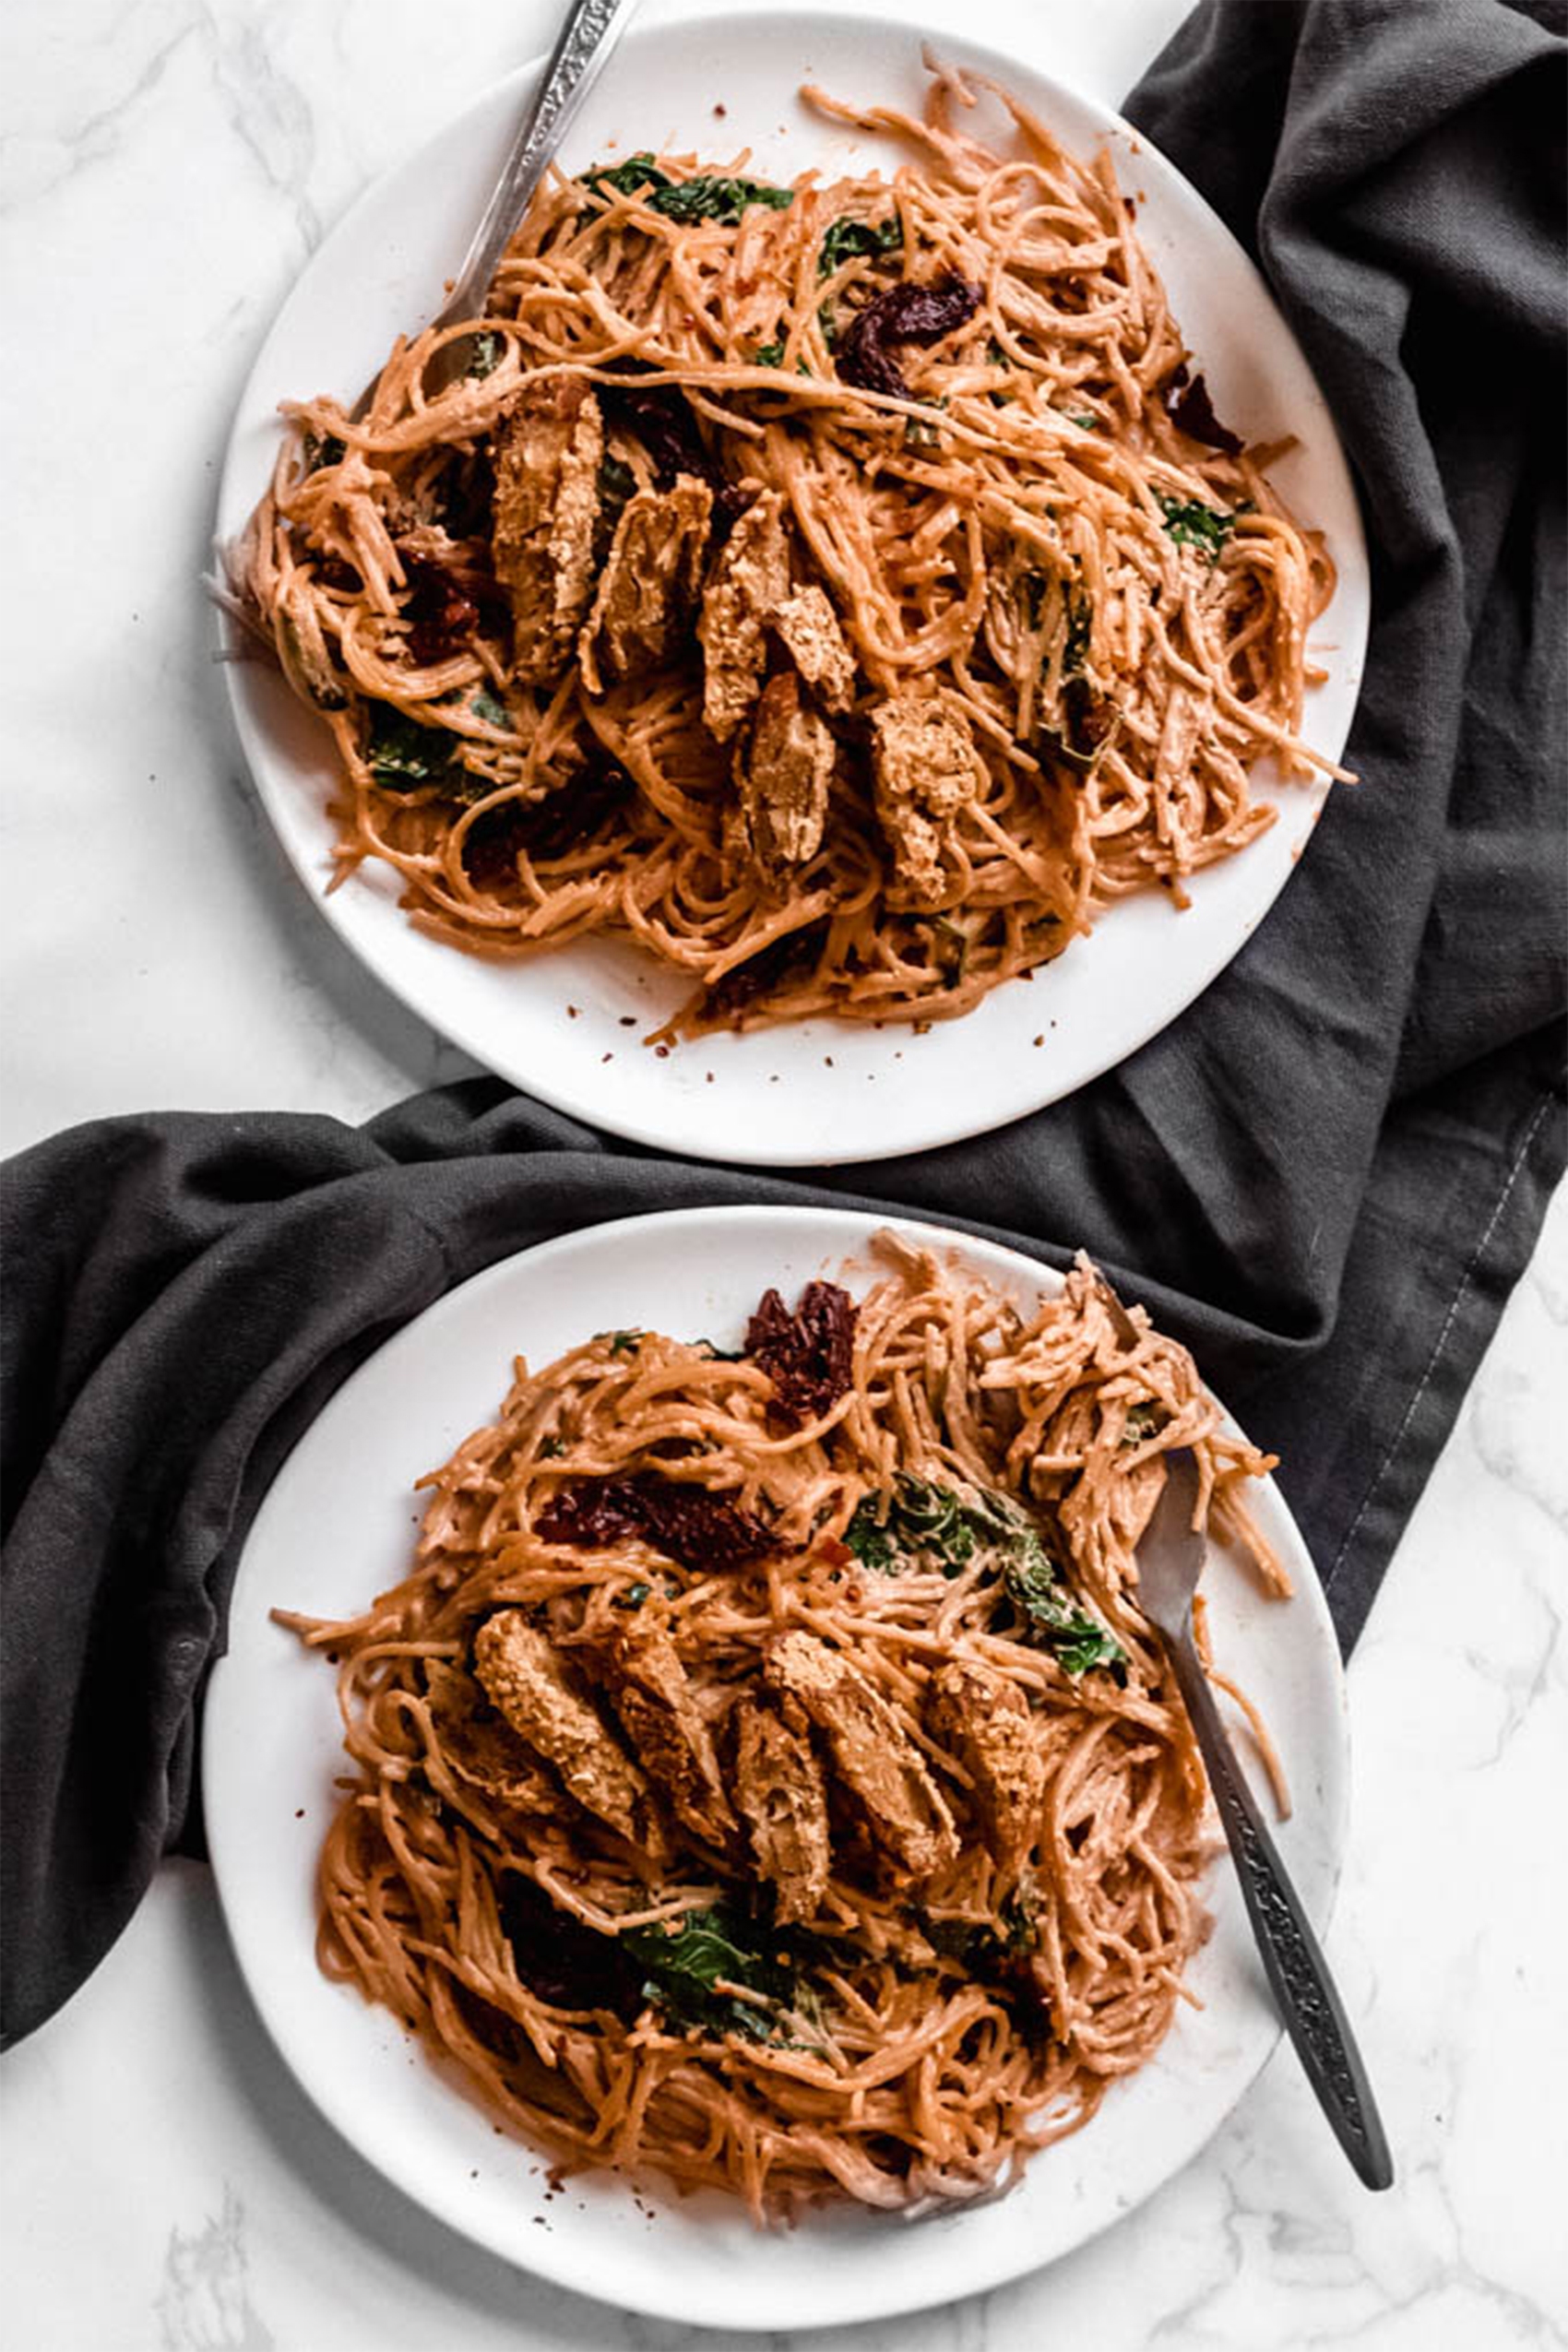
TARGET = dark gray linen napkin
x,y
1325,1178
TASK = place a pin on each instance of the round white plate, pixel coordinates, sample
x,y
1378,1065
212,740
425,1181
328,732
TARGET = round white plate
x,y
336,1528
818,1091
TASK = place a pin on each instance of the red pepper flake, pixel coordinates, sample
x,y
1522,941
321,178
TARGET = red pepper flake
x,y
808,1356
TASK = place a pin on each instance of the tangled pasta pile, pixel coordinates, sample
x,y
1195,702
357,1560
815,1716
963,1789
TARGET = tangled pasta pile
x,y
765,1778
840,589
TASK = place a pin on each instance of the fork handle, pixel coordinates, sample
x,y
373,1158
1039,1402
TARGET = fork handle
x,y
1309,2005
589,33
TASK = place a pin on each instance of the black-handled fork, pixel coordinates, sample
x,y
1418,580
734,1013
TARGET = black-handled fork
x,y
1171,1558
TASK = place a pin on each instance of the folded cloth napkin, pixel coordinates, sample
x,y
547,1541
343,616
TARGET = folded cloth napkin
x,y
1324,1178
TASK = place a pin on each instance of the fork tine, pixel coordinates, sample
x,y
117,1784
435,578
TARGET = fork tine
x,y
1121,1323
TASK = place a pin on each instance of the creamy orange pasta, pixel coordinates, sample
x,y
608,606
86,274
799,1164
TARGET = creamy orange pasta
x,y
842,588
765,1778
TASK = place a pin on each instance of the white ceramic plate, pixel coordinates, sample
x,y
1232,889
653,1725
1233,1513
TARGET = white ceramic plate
x,y
337,1527
818,1091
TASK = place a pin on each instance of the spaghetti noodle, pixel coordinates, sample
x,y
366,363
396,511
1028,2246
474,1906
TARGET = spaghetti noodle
x,y
842,589
765,1776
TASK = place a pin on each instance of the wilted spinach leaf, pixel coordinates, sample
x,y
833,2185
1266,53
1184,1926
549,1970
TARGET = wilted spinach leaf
x,y
1144,1420
402,754
1080,621
720,1944
847,237
923,1525
485,354
679,1970
724,201
926,1524
484,705
986,1949
637,173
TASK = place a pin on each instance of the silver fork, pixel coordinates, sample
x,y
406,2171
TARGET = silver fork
x,y
581,50
1170,1557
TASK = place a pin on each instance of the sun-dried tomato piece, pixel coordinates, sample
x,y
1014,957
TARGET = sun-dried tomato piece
x,y
699,1530
661,417
444,618
703,1531
906,313
808,1356
1088,719
590,1511
561,1960
575,813
772,967
1191,412
465,494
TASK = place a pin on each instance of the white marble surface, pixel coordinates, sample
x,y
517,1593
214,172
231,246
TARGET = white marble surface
x,y
164,169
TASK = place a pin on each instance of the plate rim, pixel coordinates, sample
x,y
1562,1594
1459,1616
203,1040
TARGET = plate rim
x,y
545,2257
670,1122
